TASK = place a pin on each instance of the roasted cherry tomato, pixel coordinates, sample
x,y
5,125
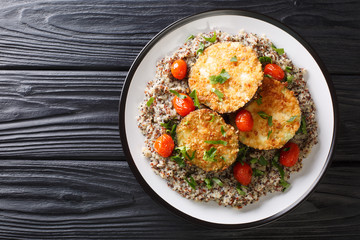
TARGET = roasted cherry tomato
x,y
274,71
244,120
183,106
289,154
164,145
243,173
179,69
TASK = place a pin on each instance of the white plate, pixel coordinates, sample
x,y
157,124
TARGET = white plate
x,y
271,206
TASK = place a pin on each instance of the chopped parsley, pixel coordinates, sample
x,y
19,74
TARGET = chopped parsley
x,y
289,79
200,49
150,101
259,100
241,154
257,172
217,142
265,59
170,128
212,117
288,69
239,189
263,161
275,163
196,100
184,152
223,131
219,94
280,51
267,75
302,128
218,181
190,37
269,133
221,78
179,160
233,59
254,160
286,149
178,94
212,39
191,182
210,155
208,183
292,118
263,115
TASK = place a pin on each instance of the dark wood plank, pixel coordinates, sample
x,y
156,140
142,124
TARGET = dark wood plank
x,y
62,114
83,199
108,34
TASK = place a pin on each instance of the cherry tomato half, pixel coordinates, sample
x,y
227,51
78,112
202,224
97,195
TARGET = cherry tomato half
x,y
164,145
290,156
183,106
179,69
243,173
244,120
274,71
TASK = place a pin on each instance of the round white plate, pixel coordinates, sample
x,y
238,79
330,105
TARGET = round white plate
x,y
271,206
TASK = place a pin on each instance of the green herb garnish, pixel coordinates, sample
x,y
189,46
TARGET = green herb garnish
x,y
178,94
170,128
233,59
269,133
212,117
183,150
150,101
292,118
286,149
212,39
218,182
263,115
241,154
239,190
200,49
194,96
263,161
302,128
190,37
223,158
278,50
289,79
210,155
223,131
219,94
254,160
275,163
217,142
221,78
259,100
267,75
191,182
288,69
265,59
208,183
257,172
284,184
179,160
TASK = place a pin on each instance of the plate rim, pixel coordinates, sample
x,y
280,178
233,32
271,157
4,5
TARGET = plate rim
x,y
121,111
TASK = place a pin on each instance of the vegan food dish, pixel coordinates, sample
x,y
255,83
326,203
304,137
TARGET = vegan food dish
x,y
227,118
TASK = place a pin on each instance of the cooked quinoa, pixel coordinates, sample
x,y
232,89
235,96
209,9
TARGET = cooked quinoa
x,y
161,111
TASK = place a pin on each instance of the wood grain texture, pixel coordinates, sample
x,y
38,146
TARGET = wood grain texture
x,y
108,34
62,114
74,199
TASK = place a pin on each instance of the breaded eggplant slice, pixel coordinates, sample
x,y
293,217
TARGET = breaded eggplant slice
x,y
194,133
244,68
279,104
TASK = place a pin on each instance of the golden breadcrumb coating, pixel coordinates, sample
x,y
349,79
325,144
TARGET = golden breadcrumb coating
x,y
206,125
279,103
245,76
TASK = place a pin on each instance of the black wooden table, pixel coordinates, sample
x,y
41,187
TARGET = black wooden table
x,y
63,173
